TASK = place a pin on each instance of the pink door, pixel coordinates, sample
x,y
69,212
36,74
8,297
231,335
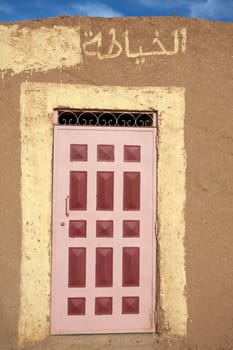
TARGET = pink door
x,y
103,246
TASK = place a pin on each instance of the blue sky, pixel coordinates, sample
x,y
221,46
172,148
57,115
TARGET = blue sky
x,y
15,10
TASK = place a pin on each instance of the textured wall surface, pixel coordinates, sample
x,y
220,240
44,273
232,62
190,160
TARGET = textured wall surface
x,y
182,67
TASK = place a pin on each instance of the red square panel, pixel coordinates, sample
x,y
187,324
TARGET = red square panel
x,y
77,267
78,190
131,190
76,306
105,153
132,153
78,153
77,228
105,190
130,267
130,305
103,306
131,228
104,267
104,228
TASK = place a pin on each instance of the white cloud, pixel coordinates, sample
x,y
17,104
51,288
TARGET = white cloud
x,y
213,9
164,4
147,3
94,9
201,8
6,8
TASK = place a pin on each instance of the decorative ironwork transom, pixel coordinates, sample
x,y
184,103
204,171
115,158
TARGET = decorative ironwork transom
x,y
105,118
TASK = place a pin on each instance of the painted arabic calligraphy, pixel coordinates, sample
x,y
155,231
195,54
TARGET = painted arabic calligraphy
x,y
93,46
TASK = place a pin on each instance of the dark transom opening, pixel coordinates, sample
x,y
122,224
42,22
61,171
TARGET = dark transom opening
x,y
106,118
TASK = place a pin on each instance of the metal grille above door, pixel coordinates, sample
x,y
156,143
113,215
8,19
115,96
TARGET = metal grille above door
x,y
106,118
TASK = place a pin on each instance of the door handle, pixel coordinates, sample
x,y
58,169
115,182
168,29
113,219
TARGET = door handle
x,y
67,205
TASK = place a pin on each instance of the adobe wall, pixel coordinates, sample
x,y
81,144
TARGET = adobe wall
x,y
188,75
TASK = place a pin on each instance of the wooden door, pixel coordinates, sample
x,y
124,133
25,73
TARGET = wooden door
x,y
103,244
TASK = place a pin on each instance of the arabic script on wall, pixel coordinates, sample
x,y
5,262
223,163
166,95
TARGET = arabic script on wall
x,y
93,46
